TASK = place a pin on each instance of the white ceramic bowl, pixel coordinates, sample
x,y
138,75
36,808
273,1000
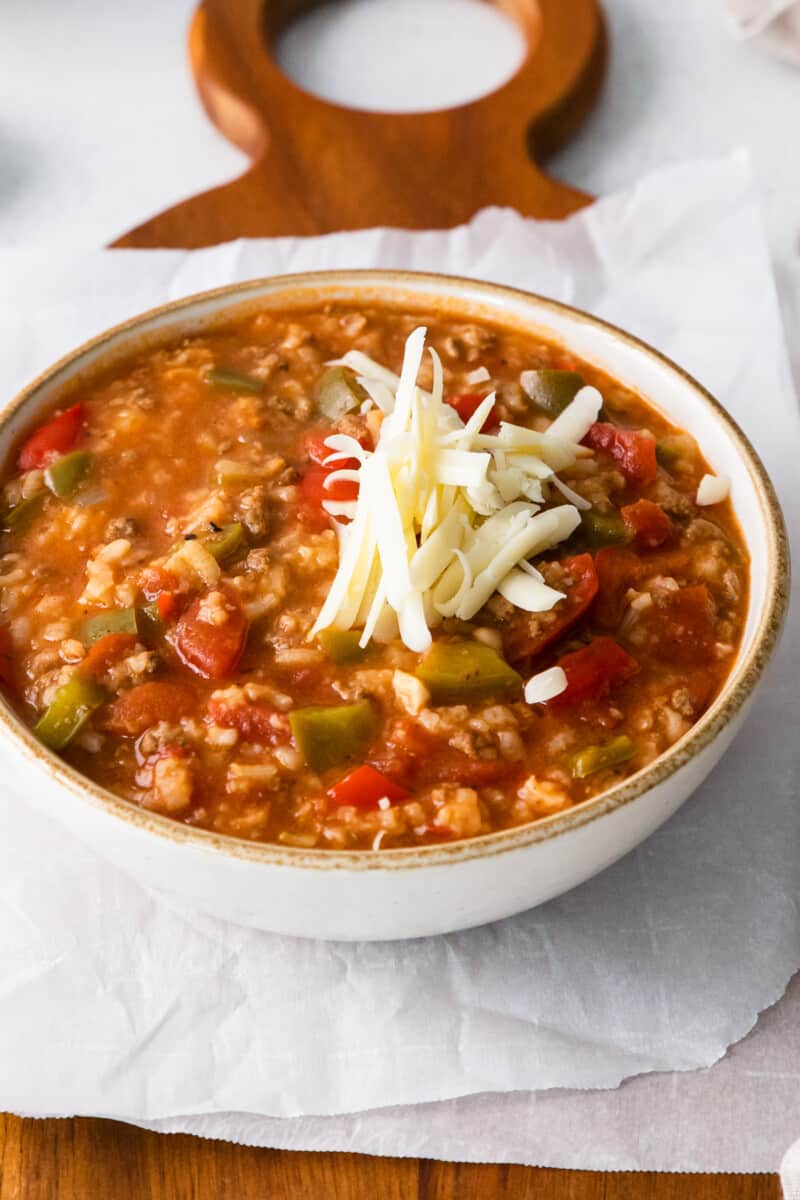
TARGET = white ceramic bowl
x,y
413,892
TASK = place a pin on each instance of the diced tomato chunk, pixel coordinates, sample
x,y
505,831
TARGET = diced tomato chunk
x,y
168,605
254,722
617,570
210,650
413,757
466,406
648,524
634,450
314,490
155,580
6,659
414,738
593,670
529,637
314,448
364,787
451,766
106,653
314,476
406,743
147,704
679,626
51,440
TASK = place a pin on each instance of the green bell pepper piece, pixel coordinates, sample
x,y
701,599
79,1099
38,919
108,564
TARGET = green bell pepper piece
x,y
112,620
552,390
228,542
462,672
341,645
23,513
66,474
233,381
338,392
145,623
600,757
603,529
71,707
328,736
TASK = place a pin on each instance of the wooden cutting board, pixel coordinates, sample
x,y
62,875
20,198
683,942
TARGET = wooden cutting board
x,y
318,167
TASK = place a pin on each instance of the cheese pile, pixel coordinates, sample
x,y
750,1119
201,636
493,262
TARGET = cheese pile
x,y
446,515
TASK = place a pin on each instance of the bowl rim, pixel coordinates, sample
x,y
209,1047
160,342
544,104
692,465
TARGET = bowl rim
x,y
422,285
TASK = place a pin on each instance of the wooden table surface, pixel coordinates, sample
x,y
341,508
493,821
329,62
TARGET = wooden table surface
x,y
84,1159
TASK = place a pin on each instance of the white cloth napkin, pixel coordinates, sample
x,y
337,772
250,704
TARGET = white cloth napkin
x,y
775,24
660,964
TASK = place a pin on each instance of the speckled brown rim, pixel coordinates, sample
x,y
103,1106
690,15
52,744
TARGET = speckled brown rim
x,y
309,290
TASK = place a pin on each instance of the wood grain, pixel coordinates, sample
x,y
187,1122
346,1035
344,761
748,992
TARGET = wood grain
x,y
318,167
86,1159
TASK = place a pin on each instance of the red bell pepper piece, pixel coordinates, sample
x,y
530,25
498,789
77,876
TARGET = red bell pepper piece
x,y
51,440
466,406
633,450
527,637
212,651
593,670
648,524
364,787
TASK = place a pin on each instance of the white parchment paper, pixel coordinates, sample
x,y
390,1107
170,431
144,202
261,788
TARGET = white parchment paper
x,y
658,965
738,1115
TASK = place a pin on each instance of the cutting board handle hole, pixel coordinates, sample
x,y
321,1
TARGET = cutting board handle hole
x,y
407,56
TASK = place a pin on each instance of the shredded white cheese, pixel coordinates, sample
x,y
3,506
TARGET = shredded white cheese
x,y
545,685
713,489
579,416
526,592
446,515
